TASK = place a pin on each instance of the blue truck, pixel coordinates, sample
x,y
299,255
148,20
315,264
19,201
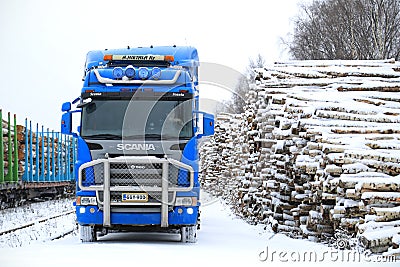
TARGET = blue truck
x,y
140,124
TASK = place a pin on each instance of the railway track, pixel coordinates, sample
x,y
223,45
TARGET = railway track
x,y
40,221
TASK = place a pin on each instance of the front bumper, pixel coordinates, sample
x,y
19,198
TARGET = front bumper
x,y
139,174
92,215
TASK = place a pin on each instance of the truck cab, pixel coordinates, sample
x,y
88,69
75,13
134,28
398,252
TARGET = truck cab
x,y
137,163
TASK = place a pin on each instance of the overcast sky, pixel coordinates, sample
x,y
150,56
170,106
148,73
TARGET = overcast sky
x,y
44,43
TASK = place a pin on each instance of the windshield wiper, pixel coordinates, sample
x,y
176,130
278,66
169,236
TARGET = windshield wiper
x,y
171,137
103,136
141,136
154,137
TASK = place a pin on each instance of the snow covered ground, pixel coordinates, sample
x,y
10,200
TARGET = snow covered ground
x,y
223,240
31,214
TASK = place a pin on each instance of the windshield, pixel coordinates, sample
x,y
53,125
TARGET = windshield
x,y
137,119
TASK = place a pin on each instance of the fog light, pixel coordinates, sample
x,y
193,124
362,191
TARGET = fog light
x,y
82,210
180,211
92,210
189,211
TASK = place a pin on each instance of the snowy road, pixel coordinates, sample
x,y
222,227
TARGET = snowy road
x,y
223,240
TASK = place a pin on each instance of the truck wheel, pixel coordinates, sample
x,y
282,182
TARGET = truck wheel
x,y
87,233
189,234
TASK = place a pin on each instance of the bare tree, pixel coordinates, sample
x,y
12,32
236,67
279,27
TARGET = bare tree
x,y
243,85
239,95
347,29
258,62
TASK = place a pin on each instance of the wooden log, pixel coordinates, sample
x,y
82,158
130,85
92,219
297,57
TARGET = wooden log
x,y
378,240
386,214
375,88
373,225
381,197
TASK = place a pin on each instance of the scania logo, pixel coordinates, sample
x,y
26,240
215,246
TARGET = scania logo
x,y
178,94
138,147
138,167
96,94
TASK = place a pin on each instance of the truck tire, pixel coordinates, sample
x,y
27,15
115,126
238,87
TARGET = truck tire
x,y
87,233
189,234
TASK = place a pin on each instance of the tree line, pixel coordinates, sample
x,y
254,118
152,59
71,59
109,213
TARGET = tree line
x,y
336,29
347,29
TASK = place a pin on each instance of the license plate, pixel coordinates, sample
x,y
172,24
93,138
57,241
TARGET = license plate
x,y
135,197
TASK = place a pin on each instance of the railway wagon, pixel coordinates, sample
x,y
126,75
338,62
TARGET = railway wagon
x,y
34,162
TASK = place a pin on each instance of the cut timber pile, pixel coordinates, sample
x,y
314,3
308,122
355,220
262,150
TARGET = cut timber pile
x,y
43,149
317,150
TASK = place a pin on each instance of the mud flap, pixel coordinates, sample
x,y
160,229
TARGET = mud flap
x,y
189,234
87,233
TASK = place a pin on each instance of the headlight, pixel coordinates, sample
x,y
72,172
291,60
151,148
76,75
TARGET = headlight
x,y
86,201
186,201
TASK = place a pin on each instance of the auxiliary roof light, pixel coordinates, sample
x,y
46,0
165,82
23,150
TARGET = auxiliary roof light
x,y
107,57
143,73
118,72
156,73
169,58
130,72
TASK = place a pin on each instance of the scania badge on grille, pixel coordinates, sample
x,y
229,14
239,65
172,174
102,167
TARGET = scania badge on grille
x,y
138,167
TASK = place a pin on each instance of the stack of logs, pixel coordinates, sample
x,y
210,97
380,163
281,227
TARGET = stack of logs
x,y
6,148
311,158
41,150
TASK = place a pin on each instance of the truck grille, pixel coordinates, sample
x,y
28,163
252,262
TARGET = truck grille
x,y
135,175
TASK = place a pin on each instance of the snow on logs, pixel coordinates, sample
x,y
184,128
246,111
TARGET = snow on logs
x,y
316,150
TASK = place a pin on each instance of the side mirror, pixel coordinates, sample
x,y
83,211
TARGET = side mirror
x,y
66,107
66,123
205,124
208,124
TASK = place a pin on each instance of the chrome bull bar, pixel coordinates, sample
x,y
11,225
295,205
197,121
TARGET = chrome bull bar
x,y
106,187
